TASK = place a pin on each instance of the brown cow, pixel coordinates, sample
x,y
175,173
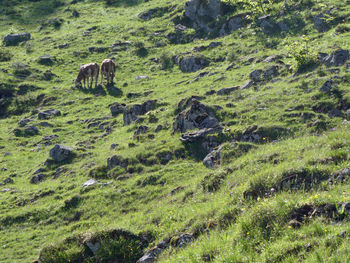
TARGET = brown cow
x,y
86,71
107,69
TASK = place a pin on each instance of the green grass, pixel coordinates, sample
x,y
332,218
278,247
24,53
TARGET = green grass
x,y
237,212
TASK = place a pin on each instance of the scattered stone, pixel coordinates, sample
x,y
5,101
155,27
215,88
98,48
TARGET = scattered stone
x,y
142,77
23,122
114,145
65,45
131,95
256,75
115,161
234,23
141,130
192,64
88,183
164,157
335,113
247,85
47,60
327,86
8,180
48,75
320,23
213,158
98,49
155,12
150,255
45,124
184,240
197,116
44,115
60,153
160,127
271,72
14,39
7,154
227,91
37,178
336,59
28,130
131,113
267,25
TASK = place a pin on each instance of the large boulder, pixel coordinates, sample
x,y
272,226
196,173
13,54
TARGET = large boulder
x,y
192,63
196,116
336,59
61,153
132,113
14,39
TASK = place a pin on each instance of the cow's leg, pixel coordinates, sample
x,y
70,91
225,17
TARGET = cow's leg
x,y
92,80
112,76
101,77
84,82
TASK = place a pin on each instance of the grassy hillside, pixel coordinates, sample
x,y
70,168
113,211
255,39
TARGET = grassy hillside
x,y
279,189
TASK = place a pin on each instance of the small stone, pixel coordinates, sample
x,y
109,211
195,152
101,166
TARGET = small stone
x,y
14,39
88,183
60,153
256,75
226,91
184,240
48,114
24,122
327,86
247,85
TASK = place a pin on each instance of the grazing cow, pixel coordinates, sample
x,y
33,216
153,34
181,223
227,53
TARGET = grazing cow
x,y
107,69
86,71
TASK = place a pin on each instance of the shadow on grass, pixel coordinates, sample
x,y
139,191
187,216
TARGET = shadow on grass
x,y
117,3
100,90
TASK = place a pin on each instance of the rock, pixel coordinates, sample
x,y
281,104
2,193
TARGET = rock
x,y
226,91
141,130
202,12
196,136
45,124
88,183
335,113
197,116
283,26
92,246
213,158
256,75
271,72
155,12
164,157
48,75
14,39
131,113
327,86
46,60
8,180
44,115
150,256
160,127
117,108
320,23
267,25
60,153
247,85
24,122
28,130
115,161
142,77
192,64
233,23
98,49
37,178
336,59
114,145
184,240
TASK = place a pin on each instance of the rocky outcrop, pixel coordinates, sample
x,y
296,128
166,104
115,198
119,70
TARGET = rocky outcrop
x,y
192,63
14,39
336,59
115,161
61,153
196,116
234,23
213,158
132,113
117,108
44,115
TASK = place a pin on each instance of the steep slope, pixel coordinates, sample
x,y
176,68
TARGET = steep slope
x,y
224,138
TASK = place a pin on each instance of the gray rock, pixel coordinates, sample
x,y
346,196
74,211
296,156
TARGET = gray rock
x,y
320,23
256,75
24,122
141,130
47,60
142,77
335,113
267,25
283,26
37,178
213,158
150,256
131,113
226,91
184,240
44,115
192,63
232,24
348,114
88,183
60,153
336,59
196,136
28,130
45,124
327,86
115,161
247,85
14,39
8,180
92,246
160,127
271,72
197,116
